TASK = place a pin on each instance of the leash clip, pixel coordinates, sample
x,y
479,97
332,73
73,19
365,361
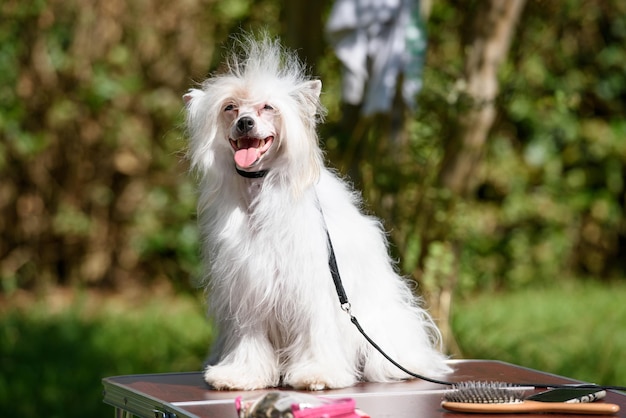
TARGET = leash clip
x,y
347,308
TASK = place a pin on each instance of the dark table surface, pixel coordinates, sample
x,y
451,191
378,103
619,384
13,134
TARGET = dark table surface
x,y
187,395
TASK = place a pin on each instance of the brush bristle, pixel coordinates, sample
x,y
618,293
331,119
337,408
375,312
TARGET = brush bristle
x,y
484,392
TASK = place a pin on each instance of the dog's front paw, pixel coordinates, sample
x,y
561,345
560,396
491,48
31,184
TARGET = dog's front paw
x,y
317,378
229,377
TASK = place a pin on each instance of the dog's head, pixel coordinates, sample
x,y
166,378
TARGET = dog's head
x,y
259,115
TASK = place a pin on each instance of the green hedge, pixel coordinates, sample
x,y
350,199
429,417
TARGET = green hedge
x,y
95,189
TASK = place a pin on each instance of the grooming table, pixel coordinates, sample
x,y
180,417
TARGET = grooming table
x,y
180,395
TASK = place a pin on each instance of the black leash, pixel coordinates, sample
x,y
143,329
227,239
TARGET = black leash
x,y
346,307
334,271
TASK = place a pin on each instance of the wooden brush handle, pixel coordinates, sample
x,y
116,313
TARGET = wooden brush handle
x,y
599,408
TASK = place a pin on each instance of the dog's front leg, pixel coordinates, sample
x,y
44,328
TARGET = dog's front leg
x,y
249,363
323,358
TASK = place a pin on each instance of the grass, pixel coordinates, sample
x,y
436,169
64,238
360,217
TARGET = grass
x,y
54,350
577,329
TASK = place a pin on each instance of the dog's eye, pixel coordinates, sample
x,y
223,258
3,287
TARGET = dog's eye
x,y
229,107
268,107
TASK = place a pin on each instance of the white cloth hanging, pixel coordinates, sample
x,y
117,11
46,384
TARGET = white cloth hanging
x,y
372,39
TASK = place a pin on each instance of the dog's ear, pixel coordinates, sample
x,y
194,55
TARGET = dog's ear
x,y
310,95
190,95
314,88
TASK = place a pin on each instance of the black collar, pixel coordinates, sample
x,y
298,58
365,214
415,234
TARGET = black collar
x,y
251,174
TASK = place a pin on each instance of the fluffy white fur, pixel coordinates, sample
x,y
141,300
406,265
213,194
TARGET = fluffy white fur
x,y
265,246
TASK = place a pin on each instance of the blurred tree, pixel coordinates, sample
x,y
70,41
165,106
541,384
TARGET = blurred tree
x,y
547,200
491,27
510,189
303,29
571,137
93,189
377,145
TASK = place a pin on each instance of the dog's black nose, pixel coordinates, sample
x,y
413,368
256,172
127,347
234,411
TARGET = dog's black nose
x,y
245,124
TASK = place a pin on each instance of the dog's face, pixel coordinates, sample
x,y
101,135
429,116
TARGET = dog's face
x,y
258,116
234,119
253,129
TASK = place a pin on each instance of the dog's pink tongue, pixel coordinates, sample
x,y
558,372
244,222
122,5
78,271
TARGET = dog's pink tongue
x,y
245,157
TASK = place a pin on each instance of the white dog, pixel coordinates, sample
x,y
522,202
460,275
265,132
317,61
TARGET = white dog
x,y
266,203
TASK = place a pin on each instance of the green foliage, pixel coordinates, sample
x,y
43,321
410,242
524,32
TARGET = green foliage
x,y
94,186
549,195
94,182
554,172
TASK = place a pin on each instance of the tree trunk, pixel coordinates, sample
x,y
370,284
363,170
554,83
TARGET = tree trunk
x,y
491,30
490,36
304,29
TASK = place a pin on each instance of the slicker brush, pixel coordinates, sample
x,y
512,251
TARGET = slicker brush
x,y
496,397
